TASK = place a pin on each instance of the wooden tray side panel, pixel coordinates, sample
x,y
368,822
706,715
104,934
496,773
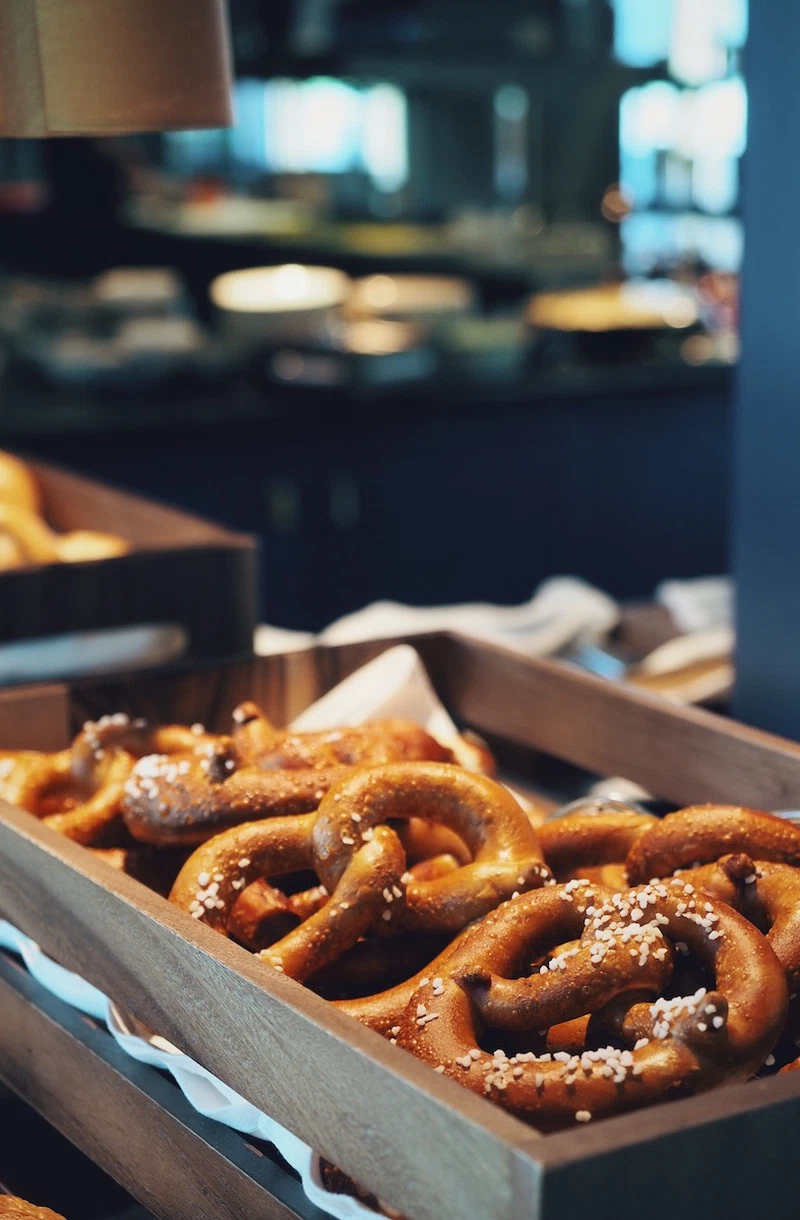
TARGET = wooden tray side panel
x,y
73,502
35,718
210,591
174,1168
181,570
282,685
685,755
427,1146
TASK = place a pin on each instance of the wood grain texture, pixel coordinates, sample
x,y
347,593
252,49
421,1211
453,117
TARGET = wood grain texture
x,y
282,685
427,1146
431,1149
180,570
682,754
38,714
74,502
129,1120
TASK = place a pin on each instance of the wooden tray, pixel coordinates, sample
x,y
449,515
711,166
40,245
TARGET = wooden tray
x,y
180,570
427,1146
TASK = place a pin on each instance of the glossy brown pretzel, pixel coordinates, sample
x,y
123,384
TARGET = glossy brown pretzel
x,y
767,894
79,791
701,834
214,876
672,1047
76,794
259,773
579,842
337,843
505,856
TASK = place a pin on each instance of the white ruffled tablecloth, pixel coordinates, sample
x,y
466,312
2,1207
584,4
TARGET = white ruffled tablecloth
x,y
394,684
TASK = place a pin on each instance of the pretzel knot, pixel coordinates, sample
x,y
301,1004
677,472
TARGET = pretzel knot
x,y
665,1047
504,852
77,795
259,772
767,894
211,881
362,864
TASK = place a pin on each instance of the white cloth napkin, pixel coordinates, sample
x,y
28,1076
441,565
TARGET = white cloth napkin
x,y
562,610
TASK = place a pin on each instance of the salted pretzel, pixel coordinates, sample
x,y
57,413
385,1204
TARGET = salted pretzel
x,y
672,1047
14,1208
333,842
79,791
579,845
211,880
701,834
497,849
259,773
141,738
504,852
767,894
77,795
263,914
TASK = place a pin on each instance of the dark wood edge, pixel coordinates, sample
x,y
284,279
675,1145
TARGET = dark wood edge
x,y
123,1112
146,954
605,727
217,534
461,669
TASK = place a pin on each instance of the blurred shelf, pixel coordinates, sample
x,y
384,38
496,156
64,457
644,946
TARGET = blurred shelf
x,y
32,410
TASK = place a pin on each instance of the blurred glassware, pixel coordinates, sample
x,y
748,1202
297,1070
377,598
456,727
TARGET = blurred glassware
x,y
267,306
494,347
139,290
621,322
362,352
429,300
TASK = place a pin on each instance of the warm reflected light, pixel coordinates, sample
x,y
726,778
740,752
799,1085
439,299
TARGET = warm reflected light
x,y
411,296
616,204
376,337
379,291
279,289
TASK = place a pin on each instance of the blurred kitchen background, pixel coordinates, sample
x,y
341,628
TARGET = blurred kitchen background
x,y
495,332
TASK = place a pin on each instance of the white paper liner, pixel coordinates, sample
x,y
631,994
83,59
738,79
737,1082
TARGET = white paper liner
x,y
394,684
203,1091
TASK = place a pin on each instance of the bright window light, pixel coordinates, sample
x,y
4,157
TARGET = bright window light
x,y
384,137
642,31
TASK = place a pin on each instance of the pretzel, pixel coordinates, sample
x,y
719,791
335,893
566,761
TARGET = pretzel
x,y
26,538
505,854
211,880
767,894
263,914
14,1208
703,833
140,738
258,773
377,742
77,794
79,791
683,1045
580,841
